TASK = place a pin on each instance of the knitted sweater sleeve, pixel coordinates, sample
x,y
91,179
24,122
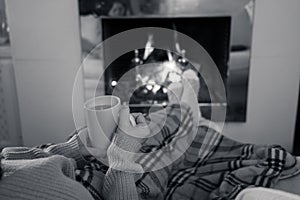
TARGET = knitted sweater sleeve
x,y
123,171
69,149
119,182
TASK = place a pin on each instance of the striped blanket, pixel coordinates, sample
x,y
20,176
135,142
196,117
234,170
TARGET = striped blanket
x,y
183,161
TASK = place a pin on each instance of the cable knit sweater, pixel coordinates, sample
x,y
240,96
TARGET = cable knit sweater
x,y
36,173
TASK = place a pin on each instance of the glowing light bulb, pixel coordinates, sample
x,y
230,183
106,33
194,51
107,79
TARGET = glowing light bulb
x,y
165,90
149,87
114,83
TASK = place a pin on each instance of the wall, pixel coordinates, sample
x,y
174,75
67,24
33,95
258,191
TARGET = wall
x,y
274,75
46,56
10,130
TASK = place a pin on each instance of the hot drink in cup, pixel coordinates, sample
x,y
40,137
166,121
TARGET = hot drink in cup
x,y
102,115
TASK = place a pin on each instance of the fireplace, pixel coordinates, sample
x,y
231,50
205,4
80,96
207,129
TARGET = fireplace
x,y
212,33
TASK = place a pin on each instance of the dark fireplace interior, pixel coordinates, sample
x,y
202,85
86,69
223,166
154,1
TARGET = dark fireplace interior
x,y
212,33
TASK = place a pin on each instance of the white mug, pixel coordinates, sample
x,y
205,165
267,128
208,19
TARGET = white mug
x,y
102,115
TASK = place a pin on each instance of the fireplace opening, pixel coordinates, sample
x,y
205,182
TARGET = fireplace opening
x,y
212,33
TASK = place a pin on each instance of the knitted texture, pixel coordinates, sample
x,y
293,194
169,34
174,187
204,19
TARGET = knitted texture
x,y
43,178
123,169
69,149
42,173
121,154
48,171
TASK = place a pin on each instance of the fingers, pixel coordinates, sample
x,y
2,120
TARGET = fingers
x,y
124,117
140,130
132,120
139,118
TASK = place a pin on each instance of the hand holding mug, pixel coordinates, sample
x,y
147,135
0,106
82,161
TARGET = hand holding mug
x,y
131,125
137,128
103,116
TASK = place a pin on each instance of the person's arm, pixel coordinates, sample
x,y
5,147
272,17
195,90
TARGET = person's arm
x,y
70,149
120,179
123,171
